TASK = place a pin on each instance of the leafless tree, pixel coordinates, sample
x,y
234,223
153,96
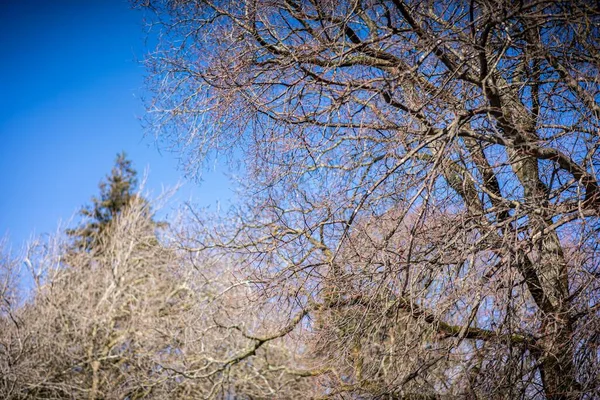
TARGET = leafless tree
x,y
421,185
138,319
10,276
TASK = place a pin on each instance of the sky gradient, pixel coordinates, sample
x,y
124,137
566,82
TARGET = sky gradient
x,y
71,85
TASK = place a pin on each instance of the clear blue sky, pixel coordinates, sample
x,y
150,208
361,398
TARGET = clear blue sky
x,y
70,87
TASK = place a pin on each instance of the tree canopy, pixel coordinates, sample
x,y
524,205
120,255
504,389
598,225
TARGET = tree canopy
x,y
421,180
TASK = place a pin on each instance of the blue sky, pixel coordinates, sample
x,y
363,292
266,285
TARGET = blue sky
x,y
70,100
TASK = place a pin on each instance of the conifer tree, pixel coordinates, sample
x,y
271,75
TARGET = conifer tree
x,y
117,191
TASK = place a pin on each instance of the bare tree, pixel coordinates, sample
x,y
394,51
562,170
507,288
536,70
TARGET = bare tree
x,y
9,278
422,193
139,318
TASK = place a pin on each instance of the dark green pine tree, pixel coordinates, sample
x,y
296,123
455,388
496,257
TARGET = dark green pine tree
x,y
117,191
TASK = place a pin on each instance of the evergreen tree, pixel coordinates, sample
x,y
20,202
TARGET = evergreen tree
x,y
117,191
